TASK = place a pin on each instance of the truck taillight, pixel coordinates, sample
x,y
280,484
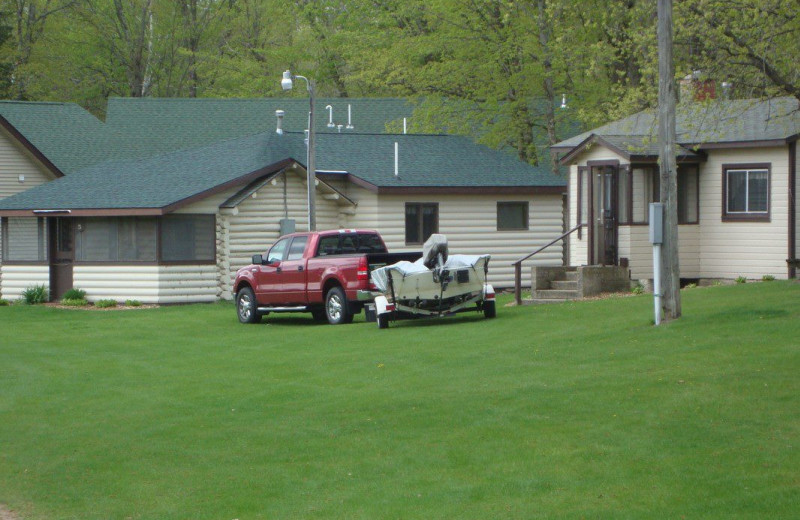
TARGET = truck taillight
x,y
362,274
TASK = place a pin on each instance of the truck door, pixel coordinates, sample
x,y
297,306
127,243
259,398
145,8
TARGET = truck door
x,y
268,276
293,275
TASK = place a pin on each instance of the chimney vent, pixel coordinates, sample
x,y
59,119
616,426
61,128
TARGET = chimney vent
x,y
279,115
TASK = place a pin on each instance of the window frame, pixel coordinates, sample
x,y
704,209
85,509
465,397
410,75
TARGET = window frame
x,y
525,212
159,245
420,229
656,186
746,216
682,170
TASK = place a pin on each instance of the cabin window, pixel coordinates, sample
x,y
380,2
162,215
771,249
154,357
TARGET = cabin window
x,y
624,195
422,220
645,185
745,192
688,189
188,238
115,239
512,216
24,239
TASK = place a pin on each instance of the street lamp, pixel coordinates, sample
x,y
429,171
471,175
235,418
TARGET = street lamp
x,y
287,82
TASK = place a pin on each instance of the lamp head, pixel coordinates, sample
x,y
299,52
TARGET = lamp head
x,y
286,82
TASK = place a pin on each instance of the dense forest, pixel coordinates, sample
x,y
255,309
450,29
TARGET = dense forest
x,y
500,69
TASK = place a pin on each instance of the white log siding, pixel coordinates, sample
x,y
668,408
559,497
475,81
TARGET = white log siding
x,y
17,278
712,248
15,161
147,284
470,224
254,225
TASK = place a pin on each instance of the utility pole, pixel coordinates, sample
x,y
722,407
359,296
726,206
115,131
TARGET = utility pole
x,y
668,167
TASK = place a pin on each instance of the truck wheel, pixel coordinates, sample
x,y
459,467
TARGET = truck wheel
x,y
383,321
489,309
247,307
336,308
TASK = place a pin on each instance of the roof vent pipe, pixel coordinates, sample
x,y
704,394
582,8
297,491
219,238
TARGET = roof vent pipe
x,y
405,128
349,124
329,108
563,101
396,159
339,128
279,114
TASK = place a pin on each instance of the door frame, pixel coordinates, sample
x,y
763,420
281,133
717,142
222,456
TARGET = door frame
x,y
61,262
590,215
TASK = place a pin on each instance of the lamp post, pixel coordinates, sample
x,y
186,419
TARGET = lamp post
x,y
287,83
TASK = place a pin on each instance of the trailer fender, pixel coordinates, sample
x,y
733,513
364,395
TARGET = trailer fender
x,y
488,292
382,305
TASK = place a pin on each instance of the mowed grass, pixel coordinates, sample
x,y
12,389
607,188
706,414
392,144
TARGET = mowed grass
x,y
579,410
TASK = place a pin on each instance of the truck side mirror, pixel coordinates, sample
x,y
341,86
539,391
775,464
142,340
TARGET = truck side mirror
x,y
258,259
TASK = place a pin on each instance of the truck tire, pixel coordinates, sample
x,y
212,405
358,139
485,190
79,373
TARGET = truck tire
x,y
383,320
489,309
336,307
247,306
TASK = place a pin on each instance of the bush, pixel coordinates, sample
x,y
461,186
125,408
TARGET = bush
x,y
133,303
74,302
638,289
767,278
74,294
4,303
690,286
741,279
35,294
102,304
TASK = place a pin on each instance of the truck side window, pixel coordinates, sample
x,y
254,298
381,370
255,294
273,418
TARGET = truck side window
x,y
370,243
297,248
276,253
328,245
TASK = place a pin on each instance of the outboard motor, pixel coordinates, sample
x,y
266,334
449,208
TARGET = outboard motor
x,y
434,251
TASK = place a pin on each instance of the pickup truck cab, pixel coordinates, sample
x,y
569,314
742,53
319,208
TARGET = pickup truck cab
x,y
325,273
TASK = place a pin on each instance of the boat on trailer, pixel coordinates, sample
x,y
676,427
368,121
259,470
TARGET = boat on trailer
x,y
436,285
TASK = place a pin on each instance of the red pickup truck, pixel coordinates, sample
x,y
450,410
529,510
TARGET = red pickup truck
x,y
325,273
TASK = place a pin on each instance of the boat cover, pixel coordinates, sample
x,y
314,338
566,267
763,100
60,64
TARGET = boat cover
x,y
380,276
435,245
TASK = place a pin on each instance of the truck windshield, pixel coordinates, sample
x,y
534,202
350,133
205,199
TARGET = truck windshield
x,y
348,243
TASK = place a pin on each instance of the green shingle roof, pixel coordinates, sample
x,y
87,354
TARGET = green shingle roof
x,y
718,122
166,124
69,136
164,180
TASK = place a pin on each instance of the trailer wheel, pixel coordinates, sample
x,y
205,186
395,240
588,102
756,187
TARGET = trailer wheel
x,y
489,309
336,307
383,321
247,306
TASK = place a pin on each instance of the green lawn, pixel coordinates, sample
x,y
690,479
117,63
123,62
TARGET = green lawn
x,y
579,410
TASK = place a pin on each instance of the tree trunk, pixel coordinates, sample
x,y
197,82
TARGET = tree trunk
x,y
670,272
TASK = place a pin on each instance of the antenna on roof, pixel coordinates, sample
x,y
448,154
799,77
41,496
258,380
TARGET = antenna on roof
x,y
349,124
405,128
563,101
396,159
330,116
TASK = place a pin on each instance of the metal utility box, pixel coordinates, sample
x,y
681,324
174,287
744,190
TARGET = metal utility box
x,y
287,226
656,223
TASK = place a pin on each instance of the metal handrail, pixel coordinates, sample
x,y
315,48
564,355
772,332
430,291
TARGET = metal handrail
x,y
518,264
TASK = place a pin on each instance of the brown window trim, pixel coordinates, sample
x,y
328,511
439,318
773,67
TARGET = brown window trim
x,y
746,217
421,205
697,201
526,209
656,196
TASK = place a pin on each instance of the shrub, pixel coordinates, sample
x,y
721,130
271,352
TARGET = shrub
x,y
4,303
75,294
133,303
74,302
767,278
690,286
35,294
741,279
102,304
638,289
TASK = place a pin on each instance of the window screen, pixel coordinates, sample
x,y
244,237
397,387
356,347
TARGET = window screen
x,y
108,239
512,216
188,238
24,239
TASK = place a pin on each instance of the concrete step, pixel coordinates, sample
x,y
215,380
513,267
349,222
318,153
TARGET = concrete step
x,y
554,294
564,285
571,276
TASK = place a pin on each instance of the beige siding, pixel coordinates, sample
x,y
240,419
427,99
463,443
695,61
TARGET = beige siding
x,y
750,249
16,278
639,251
16,161
147,284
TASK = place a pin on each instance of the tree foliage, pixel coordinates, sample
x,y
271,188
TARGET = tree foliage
x,y
496,69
